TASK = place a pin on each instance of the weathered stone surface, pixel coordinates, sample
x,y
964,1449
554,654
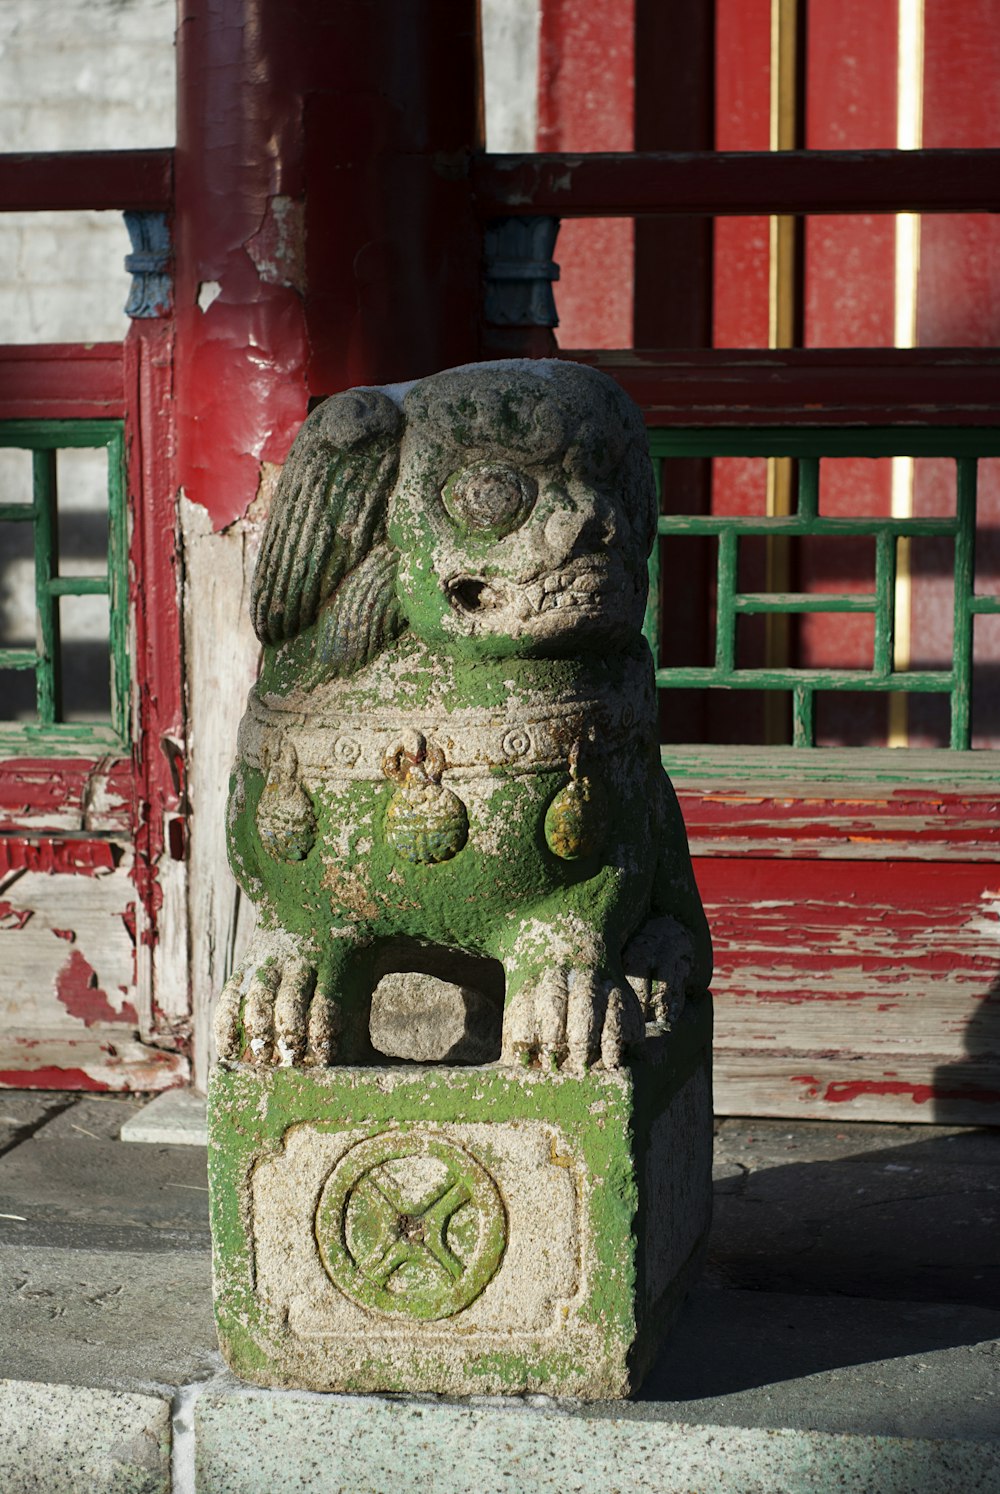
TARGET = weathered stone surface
x,y
174,1118
64,1439
256,1441
468,1231
428,1020
22,1113
452,746
449,808
69,1191
118,1319
89,1118
861,1210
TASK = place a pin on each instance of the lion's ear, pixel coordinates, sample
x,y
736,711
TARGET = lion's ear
x,y
329,509
362,616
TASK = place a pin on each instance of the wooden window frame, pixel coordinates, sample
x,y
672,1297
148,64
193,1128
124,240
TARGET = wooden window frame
x,y
49,735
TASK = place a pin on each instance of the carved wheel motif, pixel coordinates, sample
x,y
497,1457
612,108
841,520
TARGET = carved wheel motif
x,y
411,1225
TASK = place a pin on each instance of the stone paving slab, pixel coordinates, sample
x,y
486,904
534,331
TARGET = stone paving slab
x,y
908,1212
22,1112
62,1440
118,1320
175,1118
92,1117
831,1364
74,1189
248,1441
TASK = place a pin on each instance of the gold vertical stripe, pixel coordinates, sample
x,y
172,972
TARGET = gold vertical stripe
x,y
783,294
909,135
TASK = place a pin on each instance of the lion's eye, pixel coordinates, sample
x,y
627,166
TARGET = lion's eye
x,y
490,498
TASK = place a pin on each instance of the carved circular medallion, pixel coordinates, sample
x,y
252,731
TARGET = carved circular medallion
x,y
410,1225
517,742
346,751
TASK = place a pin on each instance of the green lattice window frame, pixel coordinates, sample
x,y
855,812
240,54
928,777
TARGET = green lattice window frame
x,y
808,446
48,735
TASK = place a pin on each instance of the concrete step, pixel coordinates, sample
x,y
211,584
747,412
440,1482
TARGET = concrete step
x,y
111,1379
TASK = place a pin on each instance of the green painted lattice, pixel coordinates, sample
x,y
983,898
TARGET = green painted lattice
x,y
808,448
49,733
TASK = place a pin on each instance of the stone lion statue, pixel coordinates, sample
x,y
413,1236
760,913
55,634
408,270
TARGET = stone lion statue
x,y
449,763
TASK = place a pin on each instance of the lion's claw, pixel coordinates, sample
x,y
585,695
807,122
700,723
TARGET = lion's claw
x,y
570,1020
270,1013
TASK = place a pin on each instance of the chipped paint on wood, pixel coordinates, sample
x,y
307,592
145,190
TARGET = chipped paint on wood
x,y
101,1060
953,1092
66,945
41,971
856,973
157,768
87,858
863,822
87,845
77,989
38,796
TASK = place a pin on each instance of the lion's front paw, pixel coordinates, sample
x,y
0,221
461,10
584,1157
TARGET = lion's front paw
x,y
570,1019
659,964
271,1012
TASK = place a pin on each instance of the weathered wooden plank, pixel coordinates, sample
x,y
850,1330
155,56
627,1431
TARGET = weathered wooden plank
x,y
817,1087
815,387
159,826
807,770
735,183
62,381
843,821
838,974
219,567
100,1060
66,938
49,796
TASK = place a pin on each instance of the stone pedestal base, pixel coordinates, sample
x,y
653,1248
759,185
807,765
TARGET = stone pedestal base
x,y
461,1230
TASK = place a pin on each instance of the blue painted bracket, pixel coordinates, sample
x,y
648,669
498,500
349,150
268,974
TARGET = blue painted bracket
x,y
520,271
149,265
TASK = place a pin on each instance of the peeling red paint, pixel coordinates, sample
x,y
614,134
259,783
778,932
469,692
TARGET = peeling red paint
x,y
840,1092
66,934
51,1078
77,989
916,823
374,107
154,582
85,858
39,794
14,918
241,388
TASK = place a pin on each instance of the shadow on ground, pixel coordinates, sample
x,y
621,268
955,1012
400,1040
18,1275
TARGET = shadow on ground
x,y
834,1247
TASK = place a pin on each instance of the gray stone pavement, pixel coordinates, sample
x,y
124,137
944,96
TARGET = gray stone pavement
x,y
846,1334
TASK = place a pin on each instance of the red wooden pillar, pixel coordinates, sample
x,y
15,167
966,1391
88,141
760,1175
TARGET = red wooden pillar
x,y
324,233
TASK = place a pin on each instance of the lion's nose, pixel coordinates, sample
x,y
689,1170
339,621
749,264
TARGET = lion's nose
x,y
572,529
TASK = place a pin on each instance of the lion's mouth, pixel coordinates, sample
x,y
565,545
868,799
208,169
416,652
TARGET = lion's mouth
x,y
585,591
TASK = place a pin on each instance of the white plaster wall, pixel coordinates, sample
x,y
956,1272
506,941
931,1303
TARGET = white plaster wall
x,y
510,73
77,75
